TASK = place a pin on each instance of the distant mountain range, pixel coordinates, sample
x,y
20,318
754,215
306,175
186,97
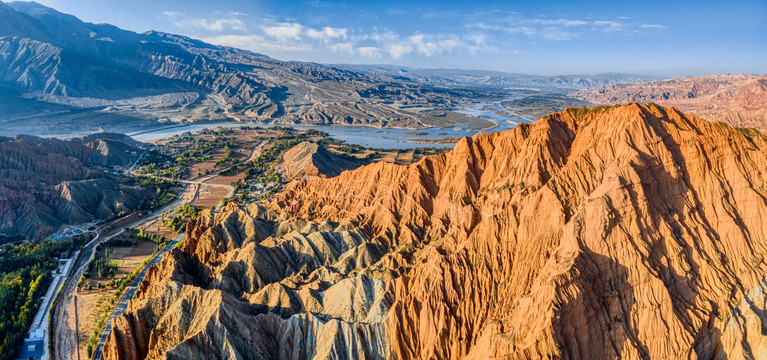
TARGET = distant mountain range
x,y
458,77
739,100
57,72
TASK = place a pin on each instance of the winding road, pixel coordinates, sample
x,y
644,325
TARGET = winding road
x,y
122,305
64,337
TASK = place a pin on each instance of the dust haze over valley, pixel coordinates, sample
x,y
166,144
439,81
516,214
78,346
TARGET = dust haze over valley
x,y
366,180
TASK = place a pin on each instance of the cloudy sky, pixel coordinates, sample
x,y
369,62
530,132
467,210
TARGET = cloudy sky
x,y
542,37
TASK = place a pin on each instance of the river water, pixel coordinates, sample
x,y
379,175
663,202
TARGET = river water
x,y
369,136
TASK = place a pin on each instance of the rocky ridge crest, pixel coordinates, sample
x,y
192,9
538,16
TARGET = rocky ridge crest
x,y
634,231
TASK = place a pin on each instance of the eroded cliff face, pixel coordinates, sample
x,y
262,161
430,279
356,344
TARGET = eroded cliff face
x,y
309,159
738,100
45,183
631,231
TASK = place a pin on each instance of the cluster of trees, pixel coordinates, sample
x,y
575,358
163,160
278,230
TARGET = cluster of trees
x,y
163,199
315,132
287,130
25,270
261,169
175,224
172,171
104,267
181,138
228,157
17,308
219,130
164,189
220,142
197,151
122,241
178,222
143,235
37,253
187,150
189,210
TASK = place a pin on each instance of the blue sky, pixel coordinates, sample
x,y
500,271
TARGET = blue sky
x,y
671,38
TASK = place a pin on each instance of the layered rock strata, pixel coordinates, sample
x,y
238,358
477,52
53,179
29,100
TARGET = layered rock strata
x,y
738,100
632,231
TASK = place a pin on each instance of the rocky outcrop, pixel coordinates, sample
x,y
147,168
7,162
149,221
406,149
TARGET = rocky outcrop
x,y
309,159
45,183
631,231
738,100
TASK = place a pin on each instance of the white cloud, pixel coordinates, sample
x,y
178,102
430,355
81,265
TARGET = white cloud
x,y
609,26
573,22
563,22
551,33
256,43
477,38
369,51
477,42
218,22
526,30
284,31
396,51
431,46
327,33
555,29
477,34
343,48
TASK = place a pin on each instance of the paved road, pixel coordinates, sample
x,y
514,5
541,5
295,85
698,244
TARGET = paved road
x,y
57,282
65,345
68,287
136,162
63,335
122,305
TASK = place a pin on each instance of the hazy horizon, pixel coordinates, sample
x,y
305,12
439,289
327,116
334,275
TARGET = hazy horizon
x,y
670,39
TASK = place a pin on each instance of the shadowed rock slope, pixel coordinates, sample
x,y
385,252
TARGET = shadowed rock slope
x,y
631,231
46,183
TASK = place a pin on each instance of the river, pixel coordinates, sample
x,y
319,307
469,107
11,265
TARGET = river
x,y
369,136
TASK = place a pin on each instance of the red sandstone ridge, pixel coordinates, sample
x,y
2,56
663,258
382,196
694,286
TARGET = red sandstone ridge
x,y
632,231
309,159
739,100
